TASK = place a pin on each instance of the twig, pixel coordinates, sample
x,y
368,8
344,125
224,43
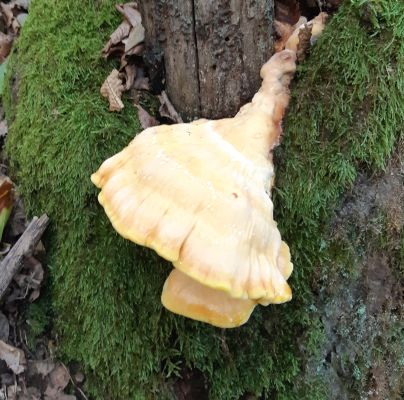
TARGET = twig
x,y
25,245
74,384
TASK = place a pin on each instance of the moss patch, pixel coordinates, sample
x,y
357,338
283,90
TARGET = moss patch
x,y
345,114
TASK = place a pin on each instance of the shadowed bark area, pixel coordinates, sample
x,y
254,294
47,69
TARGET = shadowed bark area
x,y
213,51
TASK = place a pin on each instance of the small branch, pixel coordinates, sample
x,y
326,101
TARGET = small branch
x,y
24,247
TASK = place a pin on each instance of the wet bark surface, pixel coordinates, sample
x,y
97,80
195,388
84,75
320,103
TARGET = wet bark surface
x,y
212,51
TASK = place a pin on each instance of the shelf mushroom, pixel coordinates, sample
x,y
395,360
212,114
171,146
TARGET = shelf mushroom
x,y
199,194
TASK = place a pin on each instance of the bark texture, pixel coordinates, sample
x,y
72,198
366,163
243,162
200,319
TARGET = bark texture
x,y
213,51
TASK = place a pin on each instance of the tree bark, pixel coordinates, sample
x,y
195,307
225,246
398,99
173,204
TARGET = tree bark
x,y
213,51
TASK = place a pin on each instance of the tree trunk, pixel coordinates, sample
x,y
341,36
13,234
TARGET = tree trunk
x,y
213,51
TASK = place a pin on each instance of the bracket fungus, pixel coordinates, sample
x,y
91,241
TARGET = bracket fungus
x,y
199,194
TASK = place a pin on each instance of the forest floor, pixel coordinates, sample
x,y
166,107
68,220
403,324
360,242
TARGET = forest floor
x,y
348,312
29,366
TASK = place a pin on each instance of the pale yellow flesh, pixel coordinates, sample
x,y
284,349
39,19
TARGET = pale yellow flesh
x,y
189,298
184,296
199,193
317,26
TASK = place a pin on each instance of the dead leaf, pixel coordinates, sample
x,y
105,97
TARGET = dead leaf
x,y
145,119
141,82
130,12
7,11
14,358
130,72
167,109
12,391
60,376
6,200
31,277
135,37
112,89
63,396
6,42
17,221
135,51
287,11
42,367
117,36
23,4
21,18
6,193
58,380
31,393
11,21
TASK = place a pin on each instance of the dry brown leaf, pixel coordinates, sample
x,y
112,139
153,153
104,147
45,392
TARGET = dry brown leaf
x,y
11,21
64,396
59,377
167,109
117,36
13,357
21,18
58,380
17,222
6,42
130,73
32,393
135,51
136,36
7,199
12,392
23,4
130,12
7,11
287,11
42,367
145,119
112,89
6,192
141,82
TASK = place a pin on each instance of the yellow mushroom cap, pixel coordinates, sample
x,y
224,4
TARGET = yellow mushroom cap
x,y
199,193
185,296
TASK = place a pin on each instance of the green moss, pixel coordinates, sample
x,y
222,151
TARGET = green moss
x,y
346,112
37,318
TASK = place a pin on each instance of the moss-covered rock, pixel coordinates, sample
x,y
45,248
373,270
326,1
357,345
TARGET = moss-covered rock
x,y
346,113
